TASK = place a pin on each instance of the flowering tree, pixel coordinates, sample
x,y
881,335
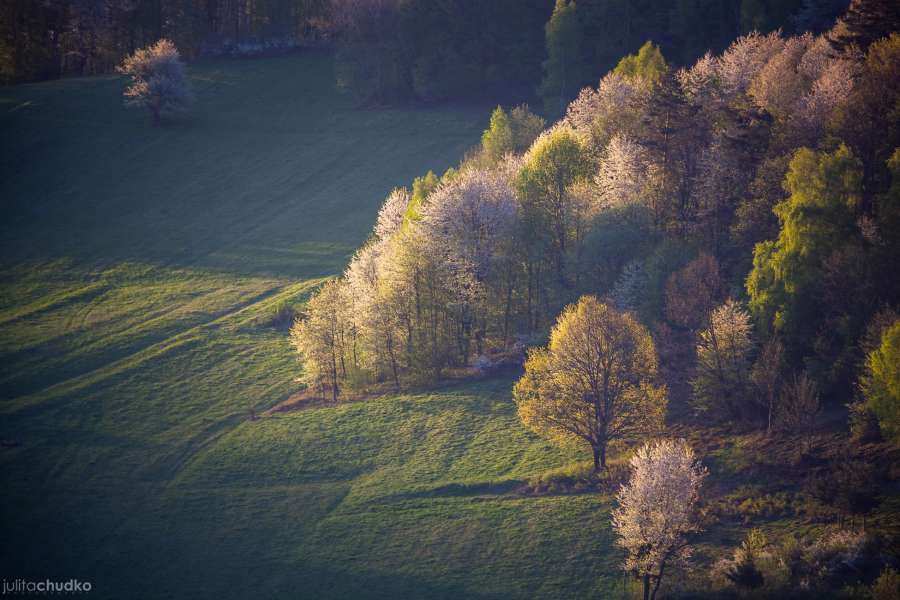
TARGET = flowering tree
x,y
466,225
740,63
777,87
622,172
390,217
615,107
158,82
723,360
657,510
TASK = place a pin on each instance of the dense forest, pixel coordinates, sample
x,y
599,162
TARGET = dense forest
x,y
392,50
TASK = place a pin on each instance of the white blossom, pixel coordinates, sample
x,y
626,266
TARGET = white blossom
x,y
657,508
741,62
390,216
622,173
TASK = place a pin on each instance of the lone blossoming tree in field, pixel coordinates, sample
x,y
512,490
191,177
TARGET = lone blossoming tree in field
x,y
158,82
594,382
657,509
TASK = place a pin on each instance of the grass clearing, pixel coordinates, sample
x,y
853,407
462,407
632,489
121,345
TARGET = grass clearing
x,y
139,271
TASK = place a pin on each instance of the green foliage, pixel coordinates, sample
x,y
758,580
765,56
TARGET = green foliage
x,y
526,127
744,572
562,67
555,162
594,383
818,216
421,188
647,66
881,383
497,139
669,256
863,422
512,133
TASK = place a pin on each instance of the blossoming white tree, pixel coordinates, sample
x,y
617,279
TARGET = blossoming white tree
x,y
745,58
158,82
657,510
390,217
622,172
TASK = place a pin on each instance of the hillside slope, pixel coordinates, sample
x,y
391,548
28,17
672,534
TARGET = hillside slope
x,y
140,269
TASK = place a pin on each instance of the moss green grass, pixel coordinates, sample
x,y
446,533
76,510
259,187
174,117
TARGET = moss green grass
x,y
138,270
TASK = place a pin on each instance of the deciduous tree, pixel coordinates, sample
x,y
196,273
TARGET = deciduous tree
x,y
657,510
562,67
881,382
723,362
158,81
555,162
595,381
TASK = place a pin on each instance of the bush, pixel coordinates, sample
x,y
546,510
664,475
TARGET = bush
x,y
863,423
836,553
283,315
887,586
837,557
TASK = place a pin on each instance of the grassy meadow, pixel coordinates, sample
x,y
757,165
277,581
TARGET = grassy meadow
x,y
139,271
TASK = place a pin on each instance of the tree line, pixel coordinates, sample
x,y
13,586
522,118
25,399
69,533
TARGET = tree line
x,y
392,50
741,212
46,40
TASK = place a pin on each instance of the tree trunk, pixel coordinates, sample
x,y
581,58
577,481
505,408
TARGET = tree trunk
x,y
334,376
646,587
662,569
599,458
506,313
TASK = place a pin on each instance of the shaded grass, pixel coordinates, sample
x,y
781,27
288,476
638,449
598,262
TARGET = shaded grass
x,y
139,271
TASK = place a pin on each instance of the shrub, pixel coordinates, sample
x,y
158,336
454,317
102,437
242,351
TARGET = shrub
x,y
863,423
887,586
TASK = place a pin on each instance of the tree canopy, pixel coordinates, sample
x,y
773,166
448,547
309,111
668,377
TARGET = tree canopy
x,y
595,382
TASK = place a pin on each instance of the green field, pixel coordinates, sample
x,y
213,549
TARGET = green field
x,y
140,268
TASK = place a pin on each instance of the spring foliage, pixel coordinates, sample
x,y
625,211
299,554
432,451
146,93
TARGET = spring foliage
x,y
881,382
723,362
595,381
658,191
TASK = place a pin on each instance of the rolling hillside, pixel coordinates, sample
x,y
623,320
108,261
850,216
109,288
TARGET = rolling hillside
x,y
139,271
